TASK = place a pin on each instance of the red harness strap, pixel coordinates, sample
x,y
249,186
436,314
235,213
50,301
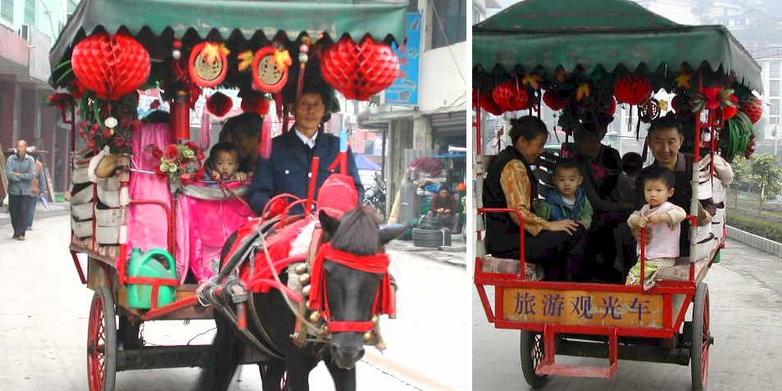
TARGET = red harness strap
x,y
377,263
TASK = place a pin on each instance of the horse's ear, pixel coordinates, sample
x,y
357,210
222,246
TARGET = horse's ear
x,y
328,223
390,232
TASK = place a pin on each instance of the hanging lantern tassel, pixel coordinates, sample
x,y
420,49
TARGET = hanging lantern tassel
x,y
303,58
265,142
181,116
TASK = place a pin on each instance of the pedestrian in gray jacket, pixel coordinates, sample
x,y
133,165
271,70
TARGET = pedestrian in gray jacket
x,y
20,172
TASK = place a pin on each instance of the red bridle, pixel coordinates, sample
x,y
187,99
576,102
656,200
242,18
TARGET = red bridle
x,y
376,263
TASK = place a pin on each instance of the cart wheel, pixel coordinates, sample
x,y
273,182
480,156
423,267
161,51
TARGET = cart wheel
x,y
531,356
101,342
701,339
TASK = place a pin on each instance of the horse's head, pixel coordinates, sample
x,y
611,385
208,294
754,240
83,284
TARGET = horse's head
x,y
351,293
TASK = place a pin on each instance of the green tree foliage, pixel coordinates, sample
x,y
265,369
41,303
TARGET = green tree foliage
x,y
765,176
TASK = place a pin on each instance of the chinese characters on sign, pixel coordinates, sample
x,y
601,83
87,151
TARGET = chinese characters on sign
x,y
404,91
583,308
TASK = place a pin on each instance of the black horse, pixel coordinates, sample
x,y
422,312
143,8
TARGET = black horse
x,y
351,295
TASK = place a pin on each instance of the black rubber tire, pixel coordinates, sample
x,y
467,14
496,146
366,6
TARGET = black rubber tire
x,y
531,353
102,314
431,238
701,338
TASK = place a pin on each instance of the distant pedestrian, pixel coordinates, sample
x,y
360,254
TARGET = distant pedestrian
x,y
37,191
20,172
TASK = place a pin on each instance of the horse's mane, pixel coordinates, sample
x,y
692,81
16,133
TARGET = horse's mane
x,y
358,232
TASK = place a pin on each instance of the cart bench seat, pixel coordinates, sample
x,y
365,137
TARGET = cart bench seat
x,y
678,272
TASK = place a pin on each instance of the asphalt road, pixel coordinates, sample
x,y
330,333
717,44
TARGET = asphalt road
x,y
746,298
43,326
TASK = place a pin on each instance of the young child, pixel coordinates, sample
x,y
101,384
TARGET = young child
x,y
568,201
625,185
662,221
223,162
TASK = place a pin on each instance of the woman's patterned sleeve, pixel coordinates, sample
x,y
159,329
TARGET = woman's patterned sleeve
x,y
516,186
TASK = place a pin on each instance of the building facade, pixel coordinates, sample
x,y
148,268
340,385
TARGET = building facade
x,y
28,28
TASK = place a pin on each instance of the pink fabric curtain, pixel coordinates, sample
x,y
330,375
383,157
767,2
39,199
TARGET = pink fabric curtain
x,y
147,224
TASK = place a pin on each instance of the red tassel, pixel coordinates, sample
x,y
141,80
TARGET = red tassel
x,y
219,104
265,142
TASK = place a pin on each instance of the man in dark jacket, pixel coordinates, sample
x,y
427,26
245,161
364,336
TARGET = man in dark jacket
x,y
288,169
20,170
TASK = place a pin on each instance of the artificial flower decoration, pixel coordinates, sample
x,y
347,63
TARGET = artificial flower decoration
x,y
684,80
532,80
583,91
181,163
245,60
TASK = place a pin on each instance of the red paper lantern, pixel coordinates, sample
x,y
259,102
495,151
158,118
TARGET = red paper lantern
x,y
219,104
509,96
611,109
359,71
753,108
554,100
110,66
633,89
208,64
486,102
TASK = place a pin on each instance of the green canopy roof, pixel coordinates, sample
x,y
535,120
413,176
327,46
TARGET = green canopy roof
x,y
607,33
379,18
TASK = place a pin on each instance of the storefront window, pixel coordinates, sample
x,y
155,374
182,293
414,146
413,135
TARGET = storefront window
x,y
450,28
7,10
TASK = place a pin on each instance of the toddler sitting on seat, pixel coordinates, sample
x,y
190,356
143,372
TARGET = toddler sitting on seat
x,y
223,163
662,221
568,201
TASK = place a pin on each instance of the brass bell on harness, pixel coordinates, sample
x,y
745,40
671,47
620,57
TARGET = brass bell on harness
x,y
306,290
301,268
368,336
314,316
375,319
304,278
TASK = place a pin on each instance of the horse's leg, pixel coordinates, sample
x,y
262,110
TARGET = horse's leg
x,y
298,368
344,379
271,375
222,358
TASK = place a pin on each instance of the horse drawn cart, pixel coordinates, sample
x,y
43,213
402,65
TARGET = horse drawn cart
x,y
579,64
107,52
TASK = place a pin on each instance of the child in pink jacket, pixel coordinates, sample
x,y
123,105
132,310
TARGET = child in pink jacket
x,y
662,222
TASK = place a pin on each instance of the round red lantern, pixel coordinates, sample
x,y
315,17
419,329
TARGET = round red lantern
x,y
208,64
270,69
110,66
486,102
632,89
359,71
554,100
753,108
509,96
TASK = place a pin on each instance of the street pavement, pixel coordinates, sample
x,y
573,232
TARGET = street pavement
x,y
746,298
43,325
